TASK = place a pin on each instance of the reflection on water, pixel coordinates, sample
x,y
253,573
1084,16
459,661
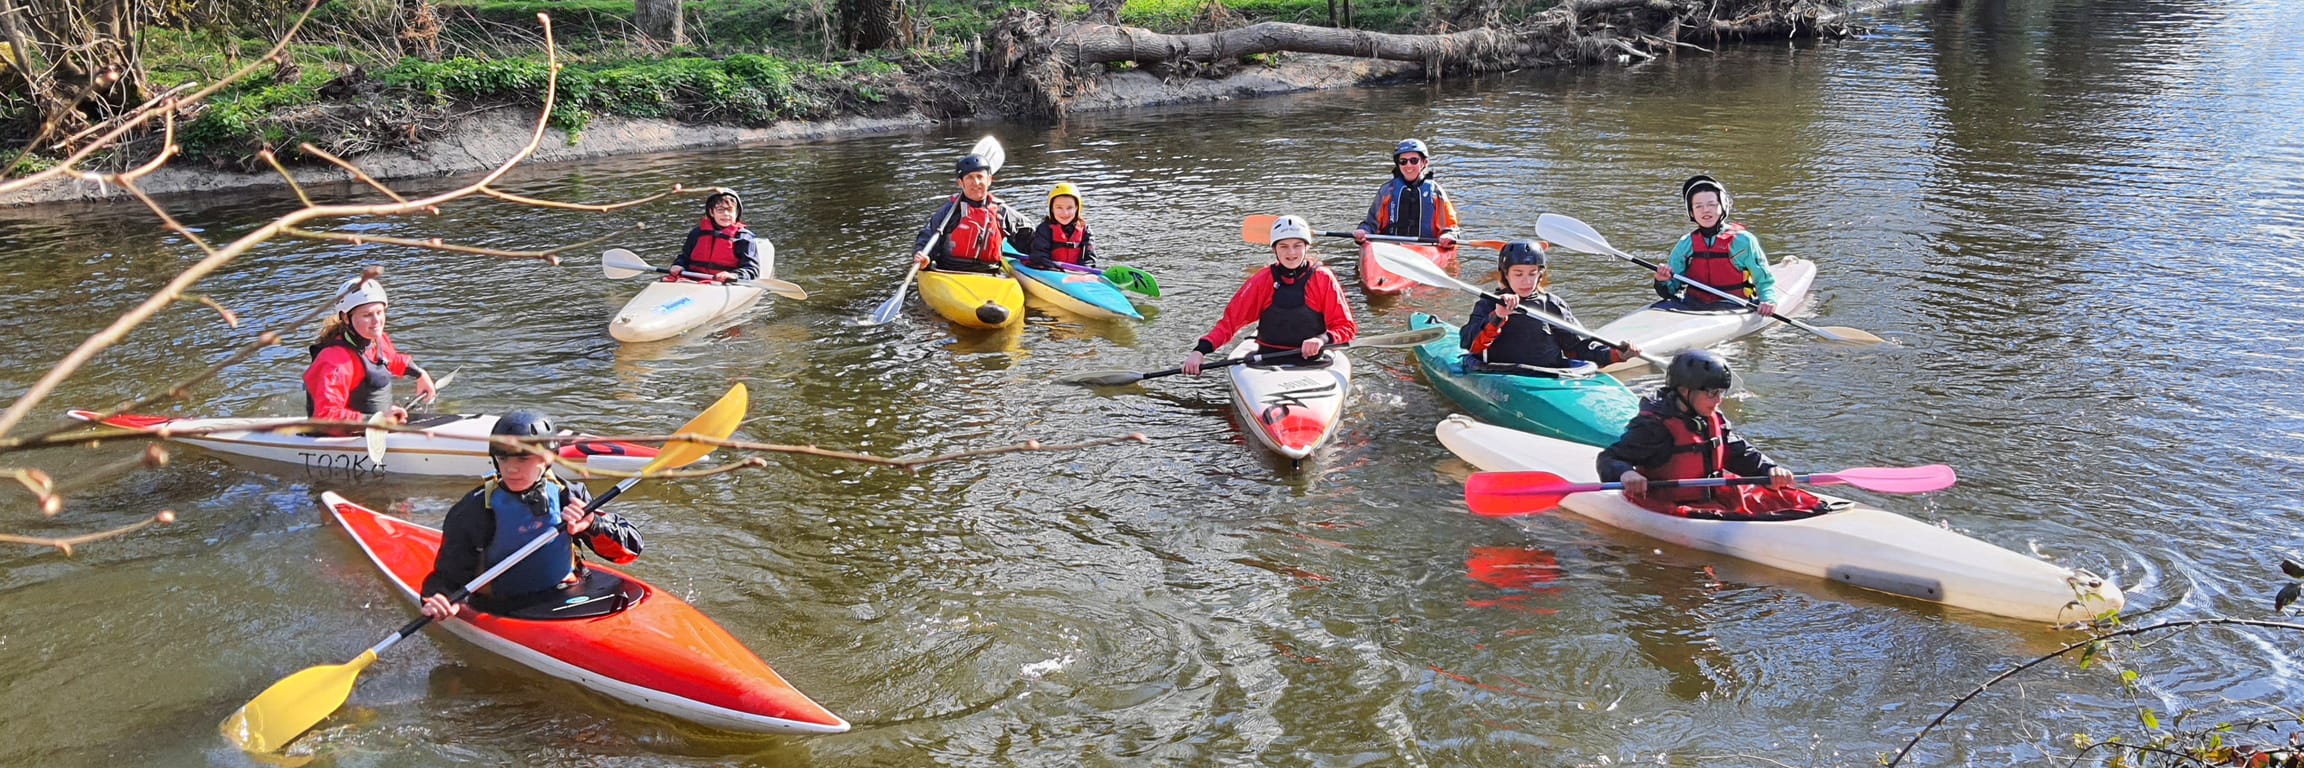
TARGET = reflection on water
x,y
2072,226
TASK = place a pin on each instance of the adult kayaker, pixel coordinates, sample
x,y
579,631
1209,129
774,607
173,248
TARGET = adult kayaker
x,y
1680,434
1295,302
1063,236
1498,335
513,507
1410,204
354,362
971,226
1718,253
720,245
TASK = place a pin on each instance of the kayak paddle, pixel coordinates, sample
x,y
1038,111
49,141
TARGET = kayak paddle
x,y
376,437
1114,378
1127,277
299,701
617,264
1577,236
1506,494
1258,229
1414,266
994,156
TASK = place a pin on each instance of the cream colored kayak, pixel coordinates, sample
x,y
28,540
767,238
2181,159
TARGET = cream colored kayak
x,y
1860,545
1291,410
1662,329
667,309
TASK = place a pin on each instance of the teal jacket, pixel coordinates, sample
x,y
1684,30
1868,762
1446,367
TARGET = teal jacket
x,y
1745,253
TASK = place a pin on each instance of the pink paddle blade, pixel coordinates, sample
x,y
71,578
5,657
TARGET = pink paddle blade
x,y
1933,477
1507,494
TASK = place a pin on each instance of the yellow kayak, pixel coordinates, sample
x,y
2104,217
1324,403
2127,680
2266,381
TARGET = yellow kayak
x,y
973,299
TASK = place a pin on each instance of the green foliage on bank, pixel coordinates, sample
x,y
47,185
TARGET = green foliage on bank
x,y
1188,15
745,88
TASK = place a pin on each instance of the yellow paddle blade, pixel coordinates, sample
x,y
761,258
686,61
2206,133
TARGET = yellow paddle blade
x,y
293,705
718,421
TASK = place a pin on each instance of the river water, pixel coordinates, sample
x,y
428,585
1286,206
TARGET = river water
x,y
2080,219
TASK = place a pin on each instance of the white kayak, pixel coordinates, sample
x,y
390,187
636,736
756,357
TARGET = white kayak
x,y
667,309
1665,329
1858,545
1292,410
450,445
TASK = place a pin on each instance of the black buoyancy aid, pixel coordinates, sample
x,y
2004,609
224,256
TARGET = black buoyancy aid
x,y
373,394
1064,243
715,249
977,233
1288,320
518,521
1699,450
1526,340
1711,261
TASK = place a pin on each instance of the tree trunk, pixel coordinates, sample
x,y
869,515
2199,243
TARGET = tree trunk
x,y
869,25
659,21
76,59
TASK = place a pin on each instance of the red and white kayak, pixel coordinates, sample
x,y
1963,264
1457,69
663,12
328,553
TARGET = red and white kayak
x,y
450,445
1292,410
658,653
1378,280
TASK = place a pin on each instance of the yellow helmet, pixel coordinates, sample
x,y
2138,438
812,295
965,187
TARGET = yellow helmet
x,y
1065,189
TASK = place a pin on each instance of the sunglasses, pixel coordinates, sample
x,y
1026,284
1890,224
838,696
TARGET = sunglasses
x,y
1408,161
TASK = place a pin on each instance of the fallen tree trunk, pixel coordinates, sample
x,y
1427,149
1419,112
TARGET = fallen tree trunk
x,y
1043,58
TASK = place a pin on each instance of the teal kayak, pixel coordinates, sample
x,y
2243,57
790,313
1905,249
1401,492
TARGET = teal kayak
x,y
1081,293
1576,404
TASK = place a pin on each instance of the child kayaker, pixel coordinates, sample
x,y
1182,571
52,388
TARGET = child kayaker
x,y
354,362
1719,254
1410,204
720,246
1063,235
1295,302
1680,434
513,507
971,226
1496,334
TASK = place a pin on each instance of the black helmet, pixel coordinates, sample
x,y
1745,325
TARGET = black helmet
x,y
1698,369
1527,252
714,198
970,164
1699,183
521,423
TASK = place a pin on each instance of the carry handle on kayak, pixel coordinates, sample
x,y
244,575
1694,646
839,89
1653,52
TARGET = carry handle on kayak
x,y
299,701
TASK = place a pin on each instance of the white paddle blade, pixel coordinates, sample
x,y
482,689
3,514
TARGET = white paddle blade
x,y
1571,233
994,155
617,264
1414,266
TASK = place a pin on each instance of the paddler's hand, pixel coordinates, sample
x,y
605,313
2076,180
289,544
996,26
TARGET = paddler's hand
x,y
1191,364
1779,478
399,415
574,518
1663,273
436,607
1630,351
1767,309
723,277
1360,236
919,259
1635,485
1311,348
1446,240
1505,307
426,390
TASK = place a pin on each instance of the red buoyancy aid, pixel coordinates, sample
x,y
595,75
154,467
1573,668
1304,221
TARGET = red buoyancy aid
x,y
716,249
977,236
1711,261
1065,246
1699,450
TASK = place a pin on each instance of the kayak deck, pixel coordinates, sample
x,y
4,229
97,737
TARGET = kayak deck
x,y
1292,411
973,300
452,445
1861,546
1581,406
1079,293
666,309
659,653
1665,329
1378,280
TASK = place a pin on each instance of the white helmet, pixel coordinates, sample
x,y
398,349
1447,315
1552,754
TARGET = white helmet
x,y
1287,227
358,292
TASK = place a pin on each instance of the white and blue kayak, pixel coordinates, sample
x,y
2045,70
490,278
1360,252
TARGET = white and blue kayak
x,y
450,445
1080,293
1291,409
1667,328
1857,545
1575,403
668,308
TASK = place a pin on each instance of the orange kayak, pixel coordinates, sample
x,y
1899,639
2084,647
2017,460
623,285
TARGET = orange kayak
x,y
1378,280
657,653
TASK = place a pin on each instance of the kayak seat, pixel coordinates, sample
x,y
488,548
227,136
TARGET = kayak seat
x,y
598,593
